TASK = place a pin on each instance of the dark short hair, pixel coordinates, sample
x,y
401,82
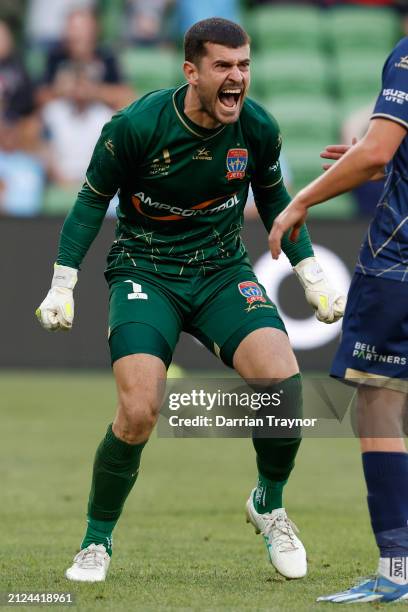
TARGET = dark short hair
x,y
213,30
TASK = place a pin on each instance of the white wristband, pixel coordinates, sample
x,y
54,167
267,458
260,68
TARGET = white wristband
x,y
309,272
64,277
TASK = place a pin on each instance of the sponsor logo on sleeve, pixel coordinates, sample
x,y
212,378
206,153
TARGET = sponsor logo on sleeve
x,y
109,146
275,167
403,63
237,161
395,95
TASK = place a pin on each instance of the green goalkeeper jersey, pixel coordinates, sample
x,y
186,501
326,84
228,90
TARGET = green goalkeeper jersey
x,y
182,188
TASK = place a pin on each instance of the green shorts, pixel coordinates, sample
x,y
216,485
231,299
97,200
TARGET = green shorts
x,y
147,311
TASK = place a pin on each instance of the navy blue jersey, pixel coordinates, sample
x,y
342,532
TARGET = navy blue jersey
x,y
385,250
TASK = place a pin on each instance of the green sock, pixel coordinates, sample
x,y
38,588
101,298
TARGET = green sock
x,y
268,494
115,471
99,532
275,457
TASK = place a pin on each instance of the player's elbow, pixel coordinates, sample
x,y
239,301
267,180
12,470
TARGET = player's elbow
x,y
381,158
376,156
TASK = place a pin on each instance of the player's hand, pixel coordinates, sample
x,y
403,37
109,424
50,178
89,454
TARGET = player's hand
x,y
327,302
335,152
57,310
294,216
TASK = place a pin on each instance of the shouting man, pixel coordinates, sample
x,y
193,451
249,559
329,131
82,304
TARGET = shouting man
x,y
183,160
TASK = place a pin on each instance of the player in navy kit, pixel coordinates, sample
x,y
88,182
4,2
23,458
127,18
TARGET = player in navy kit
x,y
374,348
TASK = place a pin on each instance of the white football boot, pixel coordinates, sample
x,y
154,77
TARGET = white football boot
x,y
286,552
90,564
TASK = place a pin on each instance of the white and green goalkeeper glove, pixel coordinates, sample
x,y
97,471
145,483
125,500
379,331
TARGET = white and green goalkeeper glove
x,y
57,310
327,302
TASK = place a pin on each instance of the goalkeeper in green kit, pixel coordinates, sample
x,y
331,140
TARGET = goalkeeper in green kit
x,y
183,160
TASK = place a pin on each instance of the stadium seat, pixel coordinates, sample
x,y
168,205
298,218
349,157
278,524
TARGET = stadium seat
x,y
58,200
359,74
307,127
304,159
148,69
35,60
306,119
358,28
356,113
353,103
285,27
112,21
290,73
305,165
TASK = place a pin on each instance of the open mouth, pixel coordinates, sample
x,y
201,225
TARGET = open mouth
x,y
229,97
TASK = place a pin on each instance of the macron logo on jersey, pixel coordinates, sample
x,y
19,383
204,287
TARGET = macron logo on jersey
x,y
395,95
176,212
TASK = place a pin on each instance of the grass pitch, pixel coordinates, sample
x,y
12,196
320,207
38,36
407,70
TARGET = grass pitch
x,y
182,542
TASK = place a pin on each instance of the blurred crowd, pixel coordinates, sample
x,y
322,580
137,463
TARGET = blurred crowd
x,y
51,116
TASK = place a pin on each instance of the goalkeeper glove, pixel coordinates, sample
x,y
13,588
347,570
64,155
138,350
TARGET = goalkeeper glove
x,y
327,302
57,310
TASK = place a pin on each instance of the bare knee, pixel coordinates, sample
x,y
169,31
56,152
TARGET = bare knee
x,y
265,354
137,414
140,381
380,419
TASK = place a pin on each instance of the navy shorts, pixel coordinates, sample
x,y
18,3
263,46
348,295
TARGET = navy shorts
x,y
374,341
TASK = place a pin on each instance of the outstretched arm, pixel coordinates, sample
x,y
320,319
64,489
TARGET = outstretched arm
x,y
358,165
335,152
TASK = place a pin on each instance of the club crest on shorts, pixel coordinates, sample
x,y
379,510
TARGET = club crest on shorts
x,y
237,161
251,292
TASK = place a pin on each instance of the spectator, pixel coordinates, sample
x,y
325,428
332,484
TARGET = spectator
x,y
21,172
46,20
72,126
16,90
145,21
252,3
80,54
324,3
402,8
13,12
191,11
